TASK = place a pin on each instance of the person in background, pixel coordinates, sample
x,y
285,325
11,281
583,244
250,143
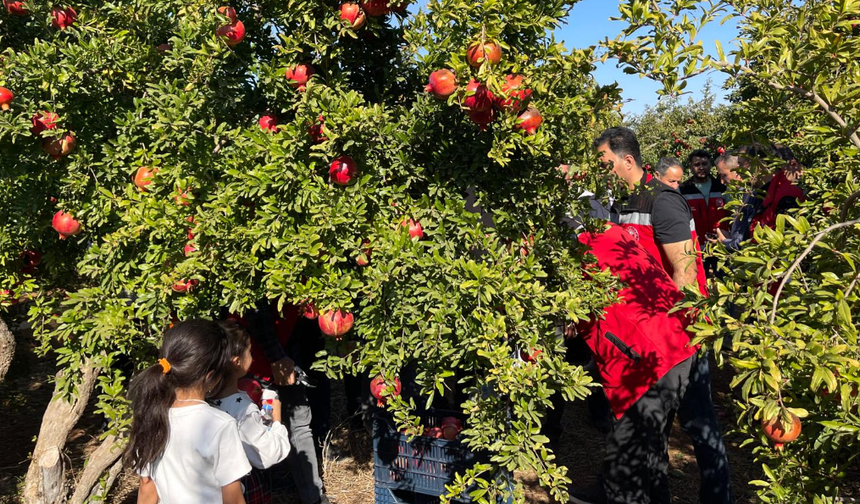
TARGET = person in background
x,y
185,450
264,444
669,171
659,218
727,169
705,196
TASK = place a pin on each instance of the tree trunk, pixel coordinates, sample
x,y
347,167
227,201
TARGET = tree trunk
x,y
59,419
7,348
98,462
99,493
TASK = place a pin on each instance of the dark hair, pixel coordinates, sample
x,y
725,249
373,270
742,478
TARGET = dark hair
x,y
702,153
785,153
622,142
192,349
755,150
665,163
238,338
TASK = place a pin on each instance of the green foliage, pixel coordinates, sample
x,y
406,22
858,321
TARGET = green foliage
x,y
266,221
795,68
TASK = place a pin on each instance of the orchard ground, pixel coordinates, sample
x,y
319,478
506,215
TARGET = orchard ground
x,y
349,479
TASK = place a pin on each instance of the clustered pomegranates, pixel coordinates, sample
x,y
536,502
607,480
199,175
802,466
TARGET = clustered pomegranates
x,y
380,390
335,323
232,33
65,225
62,18
299,75
6,98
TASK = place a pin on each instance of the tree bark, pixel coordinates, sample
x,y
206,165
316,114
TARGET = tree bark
x,y
7,348
98,462
59,419
51,475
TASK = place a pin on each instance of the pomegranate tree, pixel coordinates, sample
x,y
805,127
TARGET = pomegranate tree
x,y
65,225
6,98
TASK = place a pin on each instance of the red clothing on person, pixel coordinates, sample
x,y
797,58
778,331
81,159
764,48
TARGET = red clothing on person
x,y
778,189
708,211
636,341
285,322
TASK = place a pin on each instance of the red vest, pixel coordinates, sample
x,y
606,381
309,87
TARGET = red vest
x,y
637,341
634,215
285,322
706,214
780,187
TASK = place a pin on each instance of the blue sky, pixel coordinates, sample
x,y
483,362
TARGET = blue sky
x,y
589,23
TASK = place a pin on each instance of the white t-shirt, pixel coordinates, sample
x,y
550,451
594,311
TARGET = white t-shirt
x,y
203,454
263,445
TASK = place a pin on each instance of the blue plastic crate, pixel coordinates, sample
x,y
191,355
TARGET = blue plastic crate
x,y
391,496
424,465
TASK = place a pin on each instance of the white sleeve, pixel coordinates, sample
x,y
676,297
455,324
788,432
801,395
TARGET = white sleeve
x,y
231,463
264,446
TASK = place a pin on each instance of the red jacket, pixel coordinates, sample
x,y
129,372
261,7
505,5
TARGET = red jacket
x,y
636,341
706,214
778,190
635,216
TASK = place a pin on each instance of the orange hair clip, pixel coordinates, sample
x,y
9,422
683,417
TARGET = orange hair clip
x,y
165,366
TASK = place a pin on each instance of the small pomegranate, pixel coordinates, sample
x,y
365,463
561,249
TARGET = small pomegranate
x,y
183,197
189,249
442,83
451,428
353,15
721,151
514,93
269,123
163,48
6,98
343,170
530,356
253,388
65,225
317,130
233,34
482,119
776,431
16,8
477,53
31,258
228,12
379,389
478,97
363,258
60,146
529,121
43,121
63,18
335,323
299,75
433,432
310,312
375,8
415,229
143,177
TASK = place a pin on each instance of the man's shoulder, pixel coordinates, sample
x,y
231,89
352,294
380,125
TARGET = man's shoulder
x,y
671,202
688,187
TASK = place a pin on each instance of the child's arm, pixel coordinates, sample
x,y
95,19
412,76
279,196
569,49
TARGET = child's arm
x,y
232,493
276,410
265,445
147,494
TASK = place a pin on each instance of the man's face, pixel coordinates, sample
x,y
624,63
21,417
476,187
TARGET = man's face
x,y
727,174
673,177
619,165
701,167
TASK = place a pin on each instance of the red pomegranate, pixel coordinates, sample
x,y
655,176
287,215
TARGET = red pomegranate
x,y
15,8
363,258
343,170
415,229
183,197
59,147
721,151
253,388
43,121
433,432
530,356
233,34
478,97
379,389
31,258
6,98
477,53
335,323
189,249
268,122
163,48
442,83
482,119
317,130
375,8
143,177
529,121
65,225
514,94
451,428
63,18
299,75
776,432
353,15
310,311
184,286
228,12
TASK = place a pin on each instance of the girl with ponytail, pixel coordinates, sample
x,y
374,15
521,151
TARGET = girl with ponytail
x,y
184,450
